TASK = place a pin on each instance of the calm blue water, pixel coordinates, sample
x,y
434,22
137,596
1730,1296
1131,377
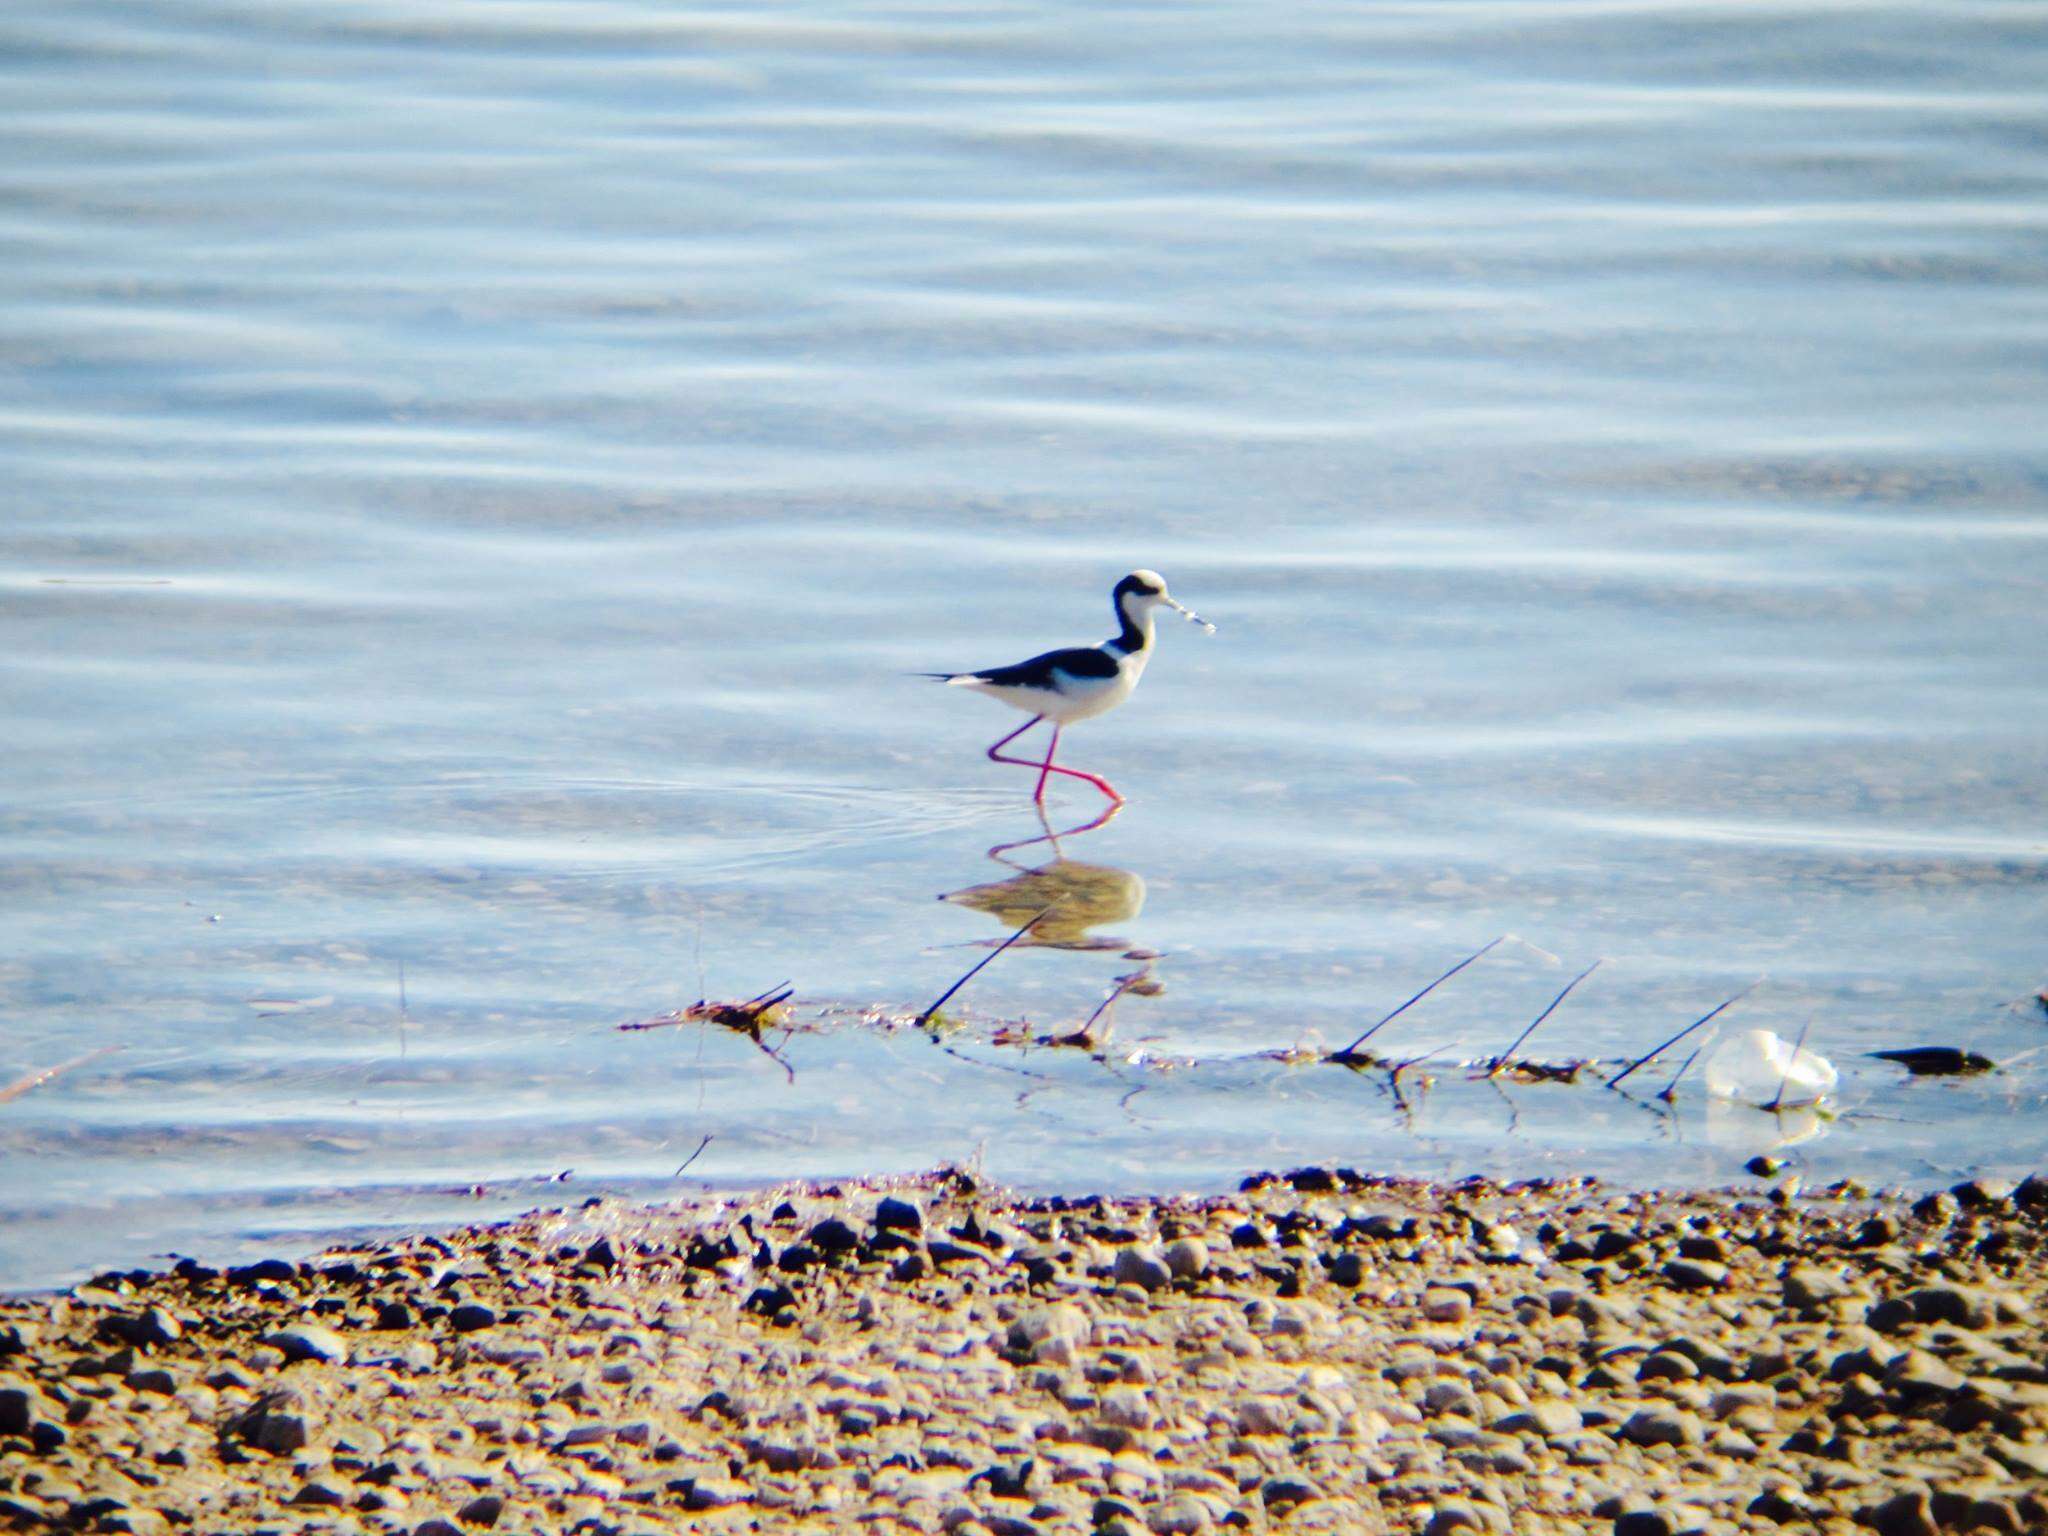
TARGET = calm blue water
x,y
476,475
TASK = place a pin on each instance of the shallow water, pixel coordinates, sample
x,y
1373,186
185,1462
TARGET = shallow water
x,y
479,474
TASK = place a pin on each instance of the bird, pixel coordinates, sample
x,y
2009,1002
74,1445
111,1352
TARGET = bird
x,y
1079,682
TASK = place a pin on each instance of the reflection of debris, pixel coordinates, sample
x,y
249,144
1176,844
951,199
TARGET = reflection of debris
x,y
1740,1127
1939,1061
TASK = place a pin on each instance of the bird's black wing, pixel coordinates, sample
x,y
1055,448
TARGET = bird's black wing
x,y
1078,661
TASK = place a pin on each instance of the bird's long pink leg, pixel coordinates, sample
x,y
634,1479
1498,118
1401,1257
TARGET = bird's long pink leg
x,y
1045,768
995,753
1100,783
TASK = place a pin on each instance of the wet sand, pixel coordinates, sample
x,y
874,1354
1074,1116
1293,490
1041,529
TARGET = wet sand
x,y
1320,1352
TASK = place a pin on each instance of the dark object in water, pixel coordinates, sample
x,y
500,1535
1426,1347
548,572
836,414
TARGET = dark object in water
x,y
748,1018
1939,1061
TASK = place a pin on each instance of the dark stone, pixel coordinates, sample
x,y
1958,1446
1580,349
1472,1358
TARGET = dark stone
x,y
834,1236
1611,1243
1643,1522
768,1300
1903,1514
1696,1274
1782,1506
18,1409
1939,1206
46,1437
1279,1492
275,1422
1667,1365
1015,1481
894,1215
602,1254
263,1271
1348,1270
393,1315
1954,1304
483,1510
1877,1232
471,1316
797,1258
1984,1194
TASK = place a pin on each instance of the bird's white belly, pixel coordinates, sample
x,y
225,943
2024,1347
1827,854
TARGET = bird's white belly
x,y
1078,698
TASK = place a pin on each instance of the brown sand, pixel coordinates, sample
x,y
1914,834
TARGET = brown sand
x,y
1321,1353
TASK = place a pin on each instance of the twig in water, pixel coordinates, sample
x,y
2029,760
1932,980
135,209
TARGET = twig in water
x,y
1349,1054
1132,981
33,1080
741,1018
1506,1058
1707,1017
746,1018
692,1157
1669,1092
1778,1100
946,996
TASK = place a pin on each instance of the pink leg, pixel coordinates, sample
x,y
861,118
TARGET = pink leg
x,y
996,755
1100,783
1045,768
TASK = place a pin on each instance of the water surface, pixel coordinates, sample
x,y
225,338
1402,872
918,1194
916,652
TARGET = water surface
x,y
479,474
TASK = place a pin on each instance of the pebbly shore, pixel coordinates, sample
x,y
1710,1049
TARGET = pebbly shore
x,y
1317,1352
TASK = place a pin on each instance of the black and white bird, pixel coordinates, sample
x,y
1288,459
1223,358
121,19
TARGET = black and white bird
x,y
1080,682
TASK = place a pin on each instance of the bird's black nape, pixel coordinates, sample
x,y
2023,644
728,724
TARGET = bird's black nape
x,y
1135,585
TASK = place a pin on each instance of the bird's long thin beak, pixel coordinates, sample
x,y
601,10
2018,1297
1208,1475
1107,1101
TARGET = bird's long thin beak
x,y
1190,615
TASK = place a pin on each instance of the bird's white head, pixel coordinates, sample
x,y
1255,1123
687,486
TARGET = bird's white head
x,y
1139,593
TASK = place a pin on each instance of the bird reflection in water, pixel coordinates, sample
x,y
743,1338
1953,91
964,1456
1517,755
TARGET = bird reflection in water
x,y
1075,898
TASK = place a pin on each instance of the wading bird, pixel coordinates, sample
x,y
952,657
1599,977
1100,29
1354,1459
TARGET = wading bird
x,y
1080,682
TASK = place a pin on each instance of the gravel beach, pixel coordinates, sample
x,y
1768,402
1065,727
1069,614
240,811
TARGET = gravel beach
x,y
1317,1352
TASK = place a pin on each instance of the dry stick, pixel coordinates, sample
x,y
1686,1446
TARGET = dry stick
x,y
1352,1048
1778,1102
1028,924
693,1156
1669,1091
1616,1082
1501,1062
21,1085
